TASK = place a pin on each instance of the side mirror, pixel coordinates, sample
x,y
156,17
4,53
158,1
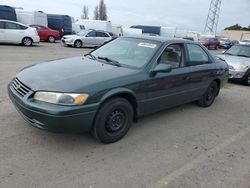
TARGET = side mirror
x,y
223,51
161,68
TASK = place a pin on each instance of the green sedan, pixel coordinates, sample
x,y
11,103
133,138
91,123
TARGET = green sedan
x,y
105,91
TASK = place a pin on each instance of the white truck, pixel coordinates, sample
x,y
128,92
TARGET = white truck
x,y
95,24
32,17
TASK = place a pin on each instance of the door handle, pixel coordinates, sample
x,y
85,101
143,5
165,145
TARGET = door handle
x,y
186,78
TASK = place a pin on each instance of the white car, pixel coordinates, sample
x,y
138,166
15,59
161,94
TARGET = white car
x,y
246,41
17,33
87,38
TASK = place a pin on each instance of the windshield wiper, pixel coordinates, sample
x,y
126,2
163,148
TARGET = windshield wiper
x,y
242,55
113,62
229,54
90,55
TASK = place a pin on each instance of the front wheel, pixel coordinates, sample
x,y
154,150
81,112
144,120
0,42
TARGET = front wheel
x,y
51,39
210,95
78,44
27,41
113,120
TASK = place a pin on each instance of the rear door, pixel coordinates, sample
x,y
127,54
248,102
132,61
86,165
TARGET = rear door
x,y
202,69
101,38
14,32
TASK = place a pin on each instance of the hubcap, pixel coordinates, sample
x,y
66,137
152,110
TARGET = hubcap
x,y
27,42
115,121
51,39
78,44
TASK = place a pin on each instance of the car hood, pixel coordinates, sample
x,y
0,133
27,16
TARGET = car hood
x,y
70,75
235,61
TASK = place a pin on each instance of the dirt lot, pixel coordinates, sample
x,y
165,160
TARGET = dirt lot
x,y
187,146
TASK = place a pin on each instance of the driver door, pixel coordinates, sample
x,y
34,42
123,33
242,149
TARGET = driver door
x,y
165,90
89,39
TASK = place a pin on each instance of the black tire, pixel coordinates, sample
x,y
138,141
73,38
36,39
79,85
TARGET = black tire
x,y
27,41
113,120
247,80
210,95
78,44
51,39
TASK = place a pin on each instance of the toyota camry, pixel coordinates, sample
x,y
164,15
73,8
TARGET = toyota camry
x,y
104,91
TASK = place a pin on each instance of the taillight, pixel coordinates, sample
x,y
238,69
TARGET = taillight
x,y
36,32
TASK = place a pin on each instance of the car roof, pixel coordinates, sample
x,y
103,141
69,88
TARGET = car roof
x,y
160,39
14,22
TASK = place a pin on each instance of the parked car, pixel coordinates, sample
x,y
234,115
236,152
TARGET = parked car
x,y
238,59
61,23
225,43
210,43
17,33
89,38
105,90
246,41
46,34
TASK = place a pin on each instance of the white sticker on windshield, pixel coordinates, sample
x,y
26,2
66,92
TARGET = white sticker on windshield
x,y
147,45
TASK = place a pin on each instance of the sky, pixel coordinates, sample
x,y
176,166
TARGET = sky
x,y
183,14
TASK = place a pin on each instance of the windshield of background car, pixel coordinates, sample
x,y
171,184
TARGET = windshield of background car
x,y
128,51
82,33
238,50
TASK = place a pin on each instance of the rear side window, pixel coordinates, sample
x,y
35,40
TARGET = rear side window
x,y
101,34
197,56
1,25
10,25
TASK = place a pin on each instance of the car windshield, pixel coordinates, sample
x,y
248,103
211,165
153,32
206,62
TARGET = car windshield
x,y
239,50
81,33
129,52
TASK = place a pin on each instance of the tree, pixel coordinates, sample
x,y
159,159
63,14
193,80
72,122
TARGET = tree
x,y
238,27
102,10
96,13
85,12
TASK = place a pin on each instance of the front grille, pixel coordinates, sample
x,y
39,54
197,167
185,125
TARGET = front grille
x,y
19,87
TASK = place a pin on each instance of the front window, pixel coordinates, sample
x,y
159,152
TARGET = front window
x,y
128,51
238,50
81,33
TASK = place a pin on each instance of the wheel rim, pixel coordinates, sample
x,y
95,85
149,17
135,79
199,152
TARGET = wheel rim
x,y
27,42
51,39
78,44
115,121
211,94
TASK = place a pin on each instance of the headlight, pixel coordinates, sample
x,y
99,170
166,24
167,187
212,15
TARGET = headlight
x,y
243,66
61,98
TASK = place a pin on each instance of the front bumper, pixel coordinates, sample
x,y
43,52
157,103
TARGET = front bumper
x,y
54,118
67,42
238,74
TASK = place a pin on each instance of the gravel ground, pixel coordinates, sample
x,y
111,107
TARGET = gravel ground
x,y
186,146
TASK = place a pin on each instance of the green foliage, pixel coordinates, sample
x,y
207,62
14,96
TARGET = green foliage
x,y
238,28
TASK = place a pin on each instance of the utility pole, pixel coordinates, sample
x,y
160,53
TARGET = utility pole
x,y
213,16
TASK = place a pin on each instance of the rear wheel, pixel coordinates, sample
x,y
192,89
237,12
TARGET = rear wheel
x,y
113,120
210,95
247,80
78,44
27,41
51,39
